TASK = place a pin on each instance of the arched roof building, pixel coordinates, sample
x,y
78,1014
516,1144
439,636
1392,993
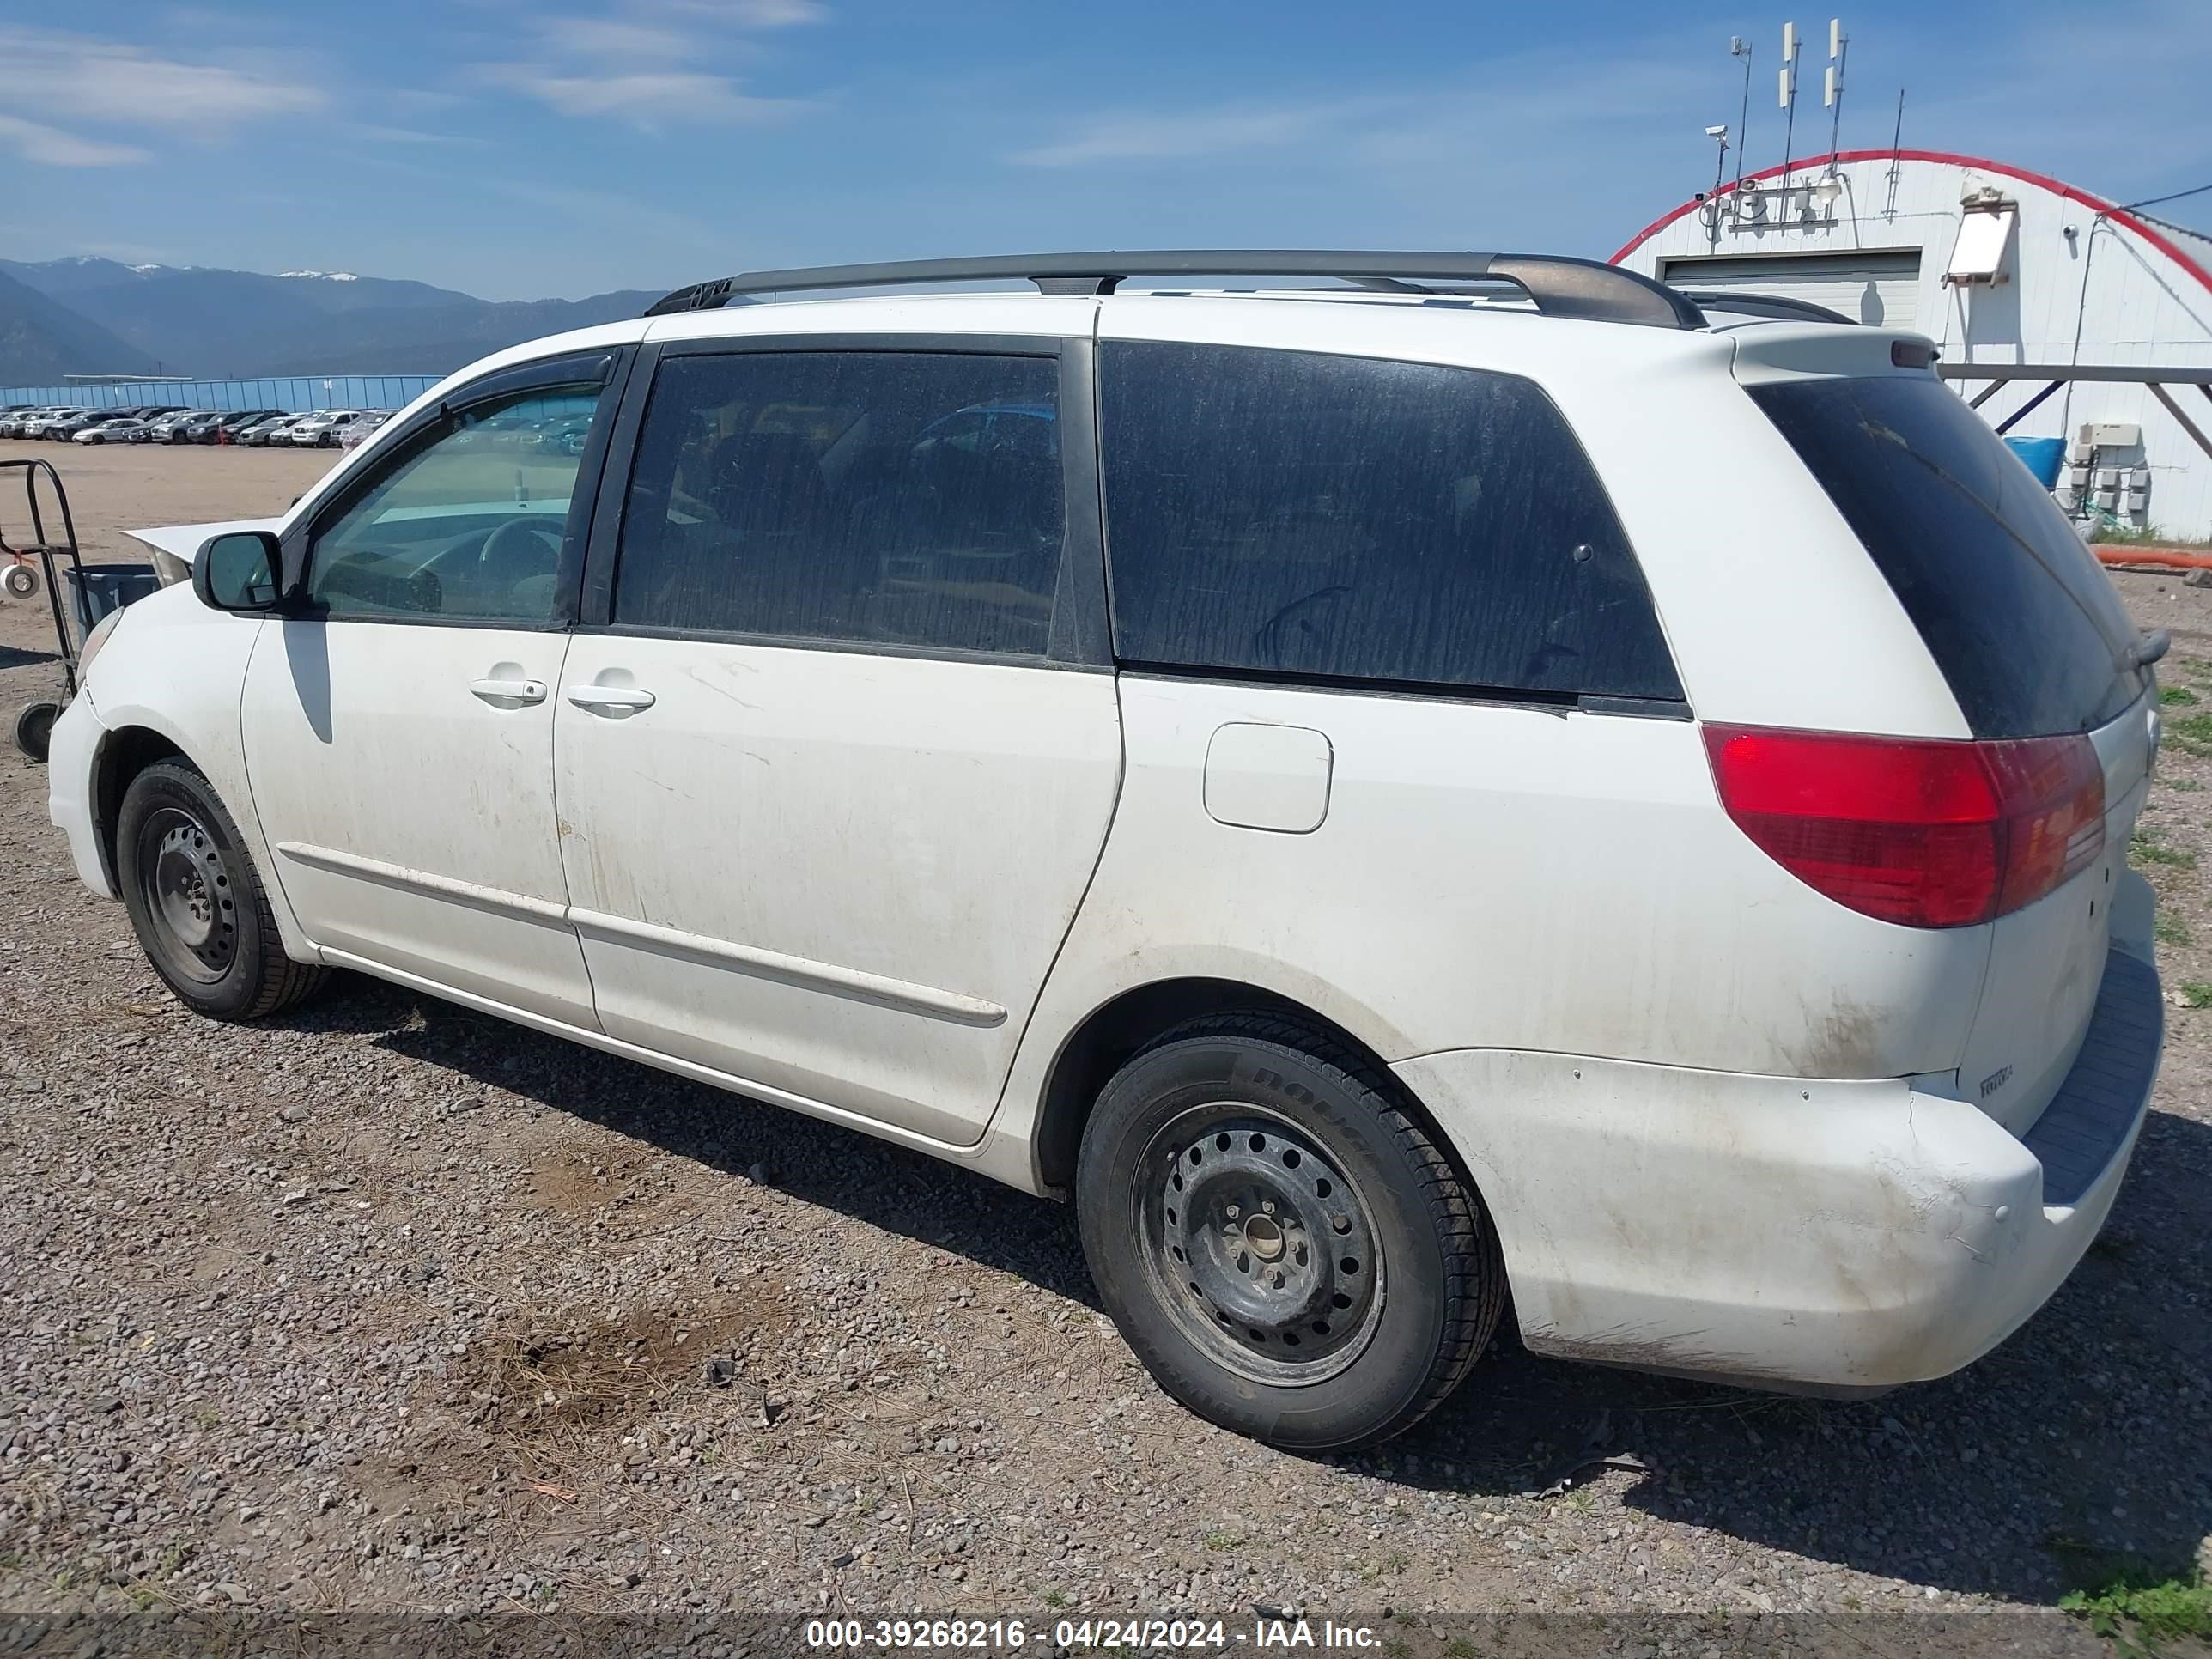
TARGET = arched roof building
x,y
1997,265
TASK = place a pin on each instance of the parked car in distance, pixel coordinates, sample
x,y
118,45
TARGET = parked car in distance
x,y
115,429
227,428
68,426
363,429
19,422
322,429
563,437
517,430
1304,773
171,428
264,433
34,424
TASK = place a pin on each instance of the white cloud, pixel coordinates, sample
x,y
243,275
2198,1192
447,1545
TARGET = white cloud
x,y
101,80
653,63
649,97
57,148
757,14
1159,135
586,37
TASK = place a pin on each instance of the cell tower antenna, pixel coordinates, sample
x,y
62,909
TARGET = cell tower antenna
x,y
1739,47
1788,82
1839,48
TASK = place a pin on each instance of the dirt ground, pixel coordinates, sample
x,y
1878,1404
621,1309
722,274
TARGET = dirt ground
x,y
383,1305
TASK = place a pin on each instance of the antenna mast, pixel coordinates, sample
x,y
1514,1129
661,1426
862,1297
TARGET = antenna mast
x,y
1839,47
1896,160
1739,47
1787,81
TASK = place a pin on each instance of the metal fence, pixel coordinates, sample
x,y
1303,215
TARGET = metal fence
x,y
299,392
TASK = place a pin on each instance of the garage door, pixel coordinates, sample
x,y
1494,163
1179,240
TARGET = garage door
x,y
1879,286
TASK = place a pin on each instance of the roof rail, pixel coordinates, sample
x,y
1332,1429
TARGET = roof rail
x,y
1763,304
1558,285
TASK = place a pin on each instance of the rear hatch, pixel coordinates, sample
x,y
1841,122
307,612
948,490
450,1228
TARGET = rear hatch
x,y
2034,642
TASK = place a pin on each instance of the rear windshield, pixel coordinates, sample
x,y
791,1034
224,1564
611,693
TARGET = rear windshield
x,y
2018,616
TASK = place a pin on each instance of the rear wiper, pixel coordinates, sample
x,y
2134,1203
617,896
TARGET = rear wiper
x,y
2147,649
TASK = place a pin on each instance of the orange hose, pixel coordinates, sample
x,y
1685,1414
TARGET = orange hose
x,y
2153,558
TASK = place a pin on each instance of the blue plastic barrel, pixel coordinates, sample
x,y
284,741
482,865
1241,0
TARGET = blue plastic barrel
x,y
2041,456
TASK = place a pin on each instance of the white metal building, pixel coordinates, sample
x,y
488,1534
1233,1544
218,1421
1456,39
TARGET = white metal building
x,y
1997,265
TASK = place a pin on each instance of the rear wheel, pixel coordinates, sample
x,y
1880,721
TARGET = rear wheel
x,y
197,902
1286,1250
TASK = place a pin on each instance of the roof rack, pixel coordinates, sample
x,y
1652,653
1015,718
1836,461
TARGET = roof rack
x,y
1558,286
1763,304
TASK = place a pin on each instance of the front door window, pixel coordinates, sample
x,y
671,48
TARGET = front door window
x,y
468,524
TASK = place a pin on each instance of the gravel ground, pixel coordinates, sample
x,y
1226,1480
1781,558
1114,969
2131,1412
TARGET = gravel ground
x,y
382,1305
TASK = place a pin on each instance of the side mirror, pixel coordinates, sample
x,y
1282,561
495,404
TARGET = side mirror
x,y
238,572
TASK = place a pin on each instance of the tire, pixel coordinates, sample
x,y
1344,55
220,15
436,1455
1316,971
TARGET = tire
x,y
197,902
1327,1277
34,729
21,581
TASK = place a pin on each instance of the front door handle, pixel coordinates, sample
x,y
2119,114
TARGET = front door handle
x,y
610,699
517,691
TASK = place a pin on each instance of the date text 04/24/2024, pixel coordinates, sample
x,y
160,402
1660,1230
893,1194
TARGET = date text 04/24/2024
x,y
1077,1635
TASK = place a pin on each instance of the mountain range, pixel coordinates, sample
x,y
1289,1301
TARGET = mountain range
x,y
93,316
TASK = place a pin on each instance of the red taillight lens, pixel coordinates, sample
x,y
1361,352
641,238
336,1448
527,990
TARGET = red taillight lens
x,y
1924,832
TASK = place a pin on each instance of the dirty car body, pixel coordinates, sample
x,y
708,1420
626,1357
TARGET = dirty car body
x,y
1733,902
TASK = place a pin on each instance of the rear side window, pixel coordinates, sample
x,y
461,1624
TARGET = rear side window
x,y
906,498
1302,514
2015,610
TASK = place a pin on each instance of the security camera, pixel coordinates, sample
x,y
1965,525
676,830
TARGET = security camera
x,y
1716,132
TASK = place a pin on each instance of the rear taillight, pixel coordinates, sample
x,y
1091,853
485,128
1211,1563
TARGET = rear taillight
x,y
1924,832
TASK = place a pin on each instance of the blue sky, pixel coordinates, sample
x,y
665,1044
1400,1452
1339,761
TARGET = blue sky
x,y
520,149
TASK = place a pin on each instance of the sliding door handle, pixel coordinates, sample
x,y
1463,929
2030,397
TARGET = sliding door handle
x,y
610,699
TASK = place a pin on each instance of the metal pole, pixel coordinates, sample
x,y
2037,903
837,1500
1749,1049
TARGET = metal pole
x,y
2026,409
2176,410
1743,121
1896,157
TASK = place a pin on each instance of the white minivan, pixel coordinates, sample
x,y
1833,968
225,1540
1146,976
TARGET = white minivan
x,y
1450,782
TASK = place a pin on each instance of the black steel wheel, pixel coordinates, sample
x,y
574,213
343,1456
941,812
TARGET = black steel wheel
x,y
34,728
1279,1238
1260,1244
196,901
185,884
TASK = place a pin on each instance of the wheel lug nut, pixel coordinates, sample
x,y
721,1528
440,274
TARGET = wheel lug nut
x,y
1268,1205
1234,1212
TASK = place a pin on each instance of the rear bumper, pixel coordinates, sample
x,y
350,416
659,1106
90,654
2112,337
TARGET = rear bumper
x,y
1836,1236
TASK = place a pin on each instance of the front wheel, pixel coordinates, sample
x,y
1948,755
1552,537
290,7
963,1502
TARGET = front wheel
x,y
196,901
1283,1246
